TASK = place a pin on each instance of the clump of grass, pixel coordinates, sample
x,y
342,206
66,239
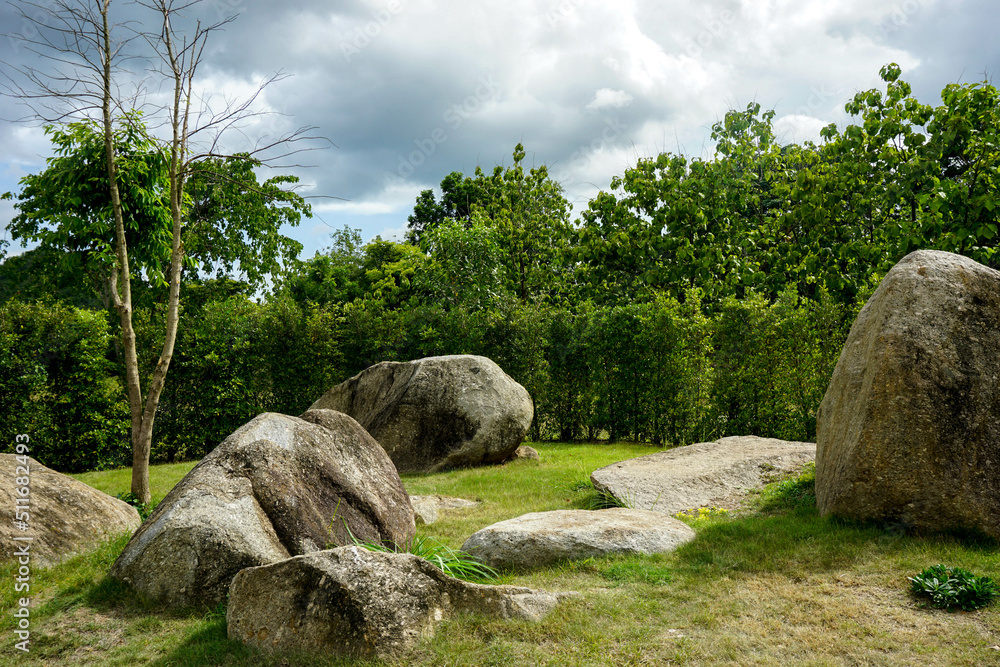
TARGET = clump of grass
x,y
595,499
453,562
793,493
602,500
953,588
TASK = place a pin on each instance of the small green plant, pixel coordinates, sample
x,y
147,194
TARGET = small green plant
x,y
951,588
143,508
453,562
602,500
598,500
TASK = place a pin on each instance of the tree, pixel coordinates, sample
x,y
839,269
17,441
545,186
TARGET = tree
x,y
672,223
334,276
84,48
466,264
459,194
527,210
67,207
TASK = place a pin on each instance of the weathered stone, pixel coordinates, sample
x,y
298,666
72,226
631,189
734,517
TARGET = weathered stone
x,y
541,538
279,486
700,475
437,413
428,508
353,602
526,452
909,429
61,516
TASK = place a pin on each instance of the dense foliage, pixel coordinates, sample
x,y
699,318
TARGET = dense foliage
x,y
696,298
953,588
58,385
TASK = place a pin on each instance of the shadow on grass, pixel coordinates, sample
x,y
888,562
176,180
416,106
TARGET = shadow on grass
x,y
209,645
784,533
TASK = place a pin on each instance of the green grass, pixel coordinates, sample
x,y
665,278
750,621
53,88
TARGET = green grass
x,y
162,478
771,584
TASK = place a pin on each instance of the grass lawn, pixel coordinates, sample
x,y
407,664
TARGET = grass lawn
x,y
773,584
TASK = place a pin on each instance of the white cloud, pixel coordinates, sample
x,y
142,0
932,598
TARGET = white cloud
x,y
796,129
607,98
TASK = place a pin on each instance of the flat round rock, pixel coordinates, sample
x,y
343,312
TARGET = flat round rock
x,y
542,538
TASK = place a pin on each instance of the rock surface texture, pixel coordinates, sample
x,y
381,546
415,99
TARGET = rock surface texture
x,y
909,429
428,508
700,475
278,487
353,602
541,538
64,516
526,452
437,413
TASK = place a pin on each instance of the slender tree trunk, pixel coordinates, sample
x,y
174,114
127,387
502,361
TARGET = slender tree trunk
x,y
121,278
180,111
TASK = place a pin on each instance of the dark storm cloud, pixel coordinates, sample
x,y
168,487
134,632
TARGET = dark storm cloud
x,y
410,90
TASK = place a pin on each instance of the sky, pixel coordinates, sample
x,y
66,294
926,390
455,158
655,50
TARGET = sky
x,y
404,92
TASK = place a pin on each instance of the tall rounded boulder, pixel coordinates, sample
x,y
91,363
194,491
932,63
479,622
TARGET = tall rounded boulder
x,y
278,487
909,429
437,413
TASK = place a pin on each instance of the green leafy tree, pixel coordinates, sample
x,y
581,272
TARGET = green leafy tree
x,y
671,223
459,194
528,213
466,265
66,208
333,276
531,216
47,273
233,220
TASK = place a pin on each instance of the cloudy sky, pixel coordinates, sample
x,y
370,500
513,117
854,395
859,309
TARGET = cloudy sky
x,y
410,90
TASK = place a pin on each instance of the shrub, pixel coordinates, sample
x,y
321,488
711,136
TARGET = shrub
x,y
773,362
951,588
58,386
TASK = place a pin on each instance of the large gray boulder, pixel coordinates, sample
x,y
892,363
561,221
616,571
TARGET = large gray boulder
x,y
353,602
61,516
909,429
437,413
278,487
701,475
541,538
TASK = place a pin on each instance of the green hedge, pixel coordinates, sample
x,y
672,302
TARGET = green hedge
x,y
58,385
661,372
